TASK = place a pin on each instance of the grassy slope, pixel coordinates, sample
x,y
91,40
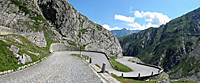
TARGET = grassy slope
x,y
7,63
169,41
120,67
126,80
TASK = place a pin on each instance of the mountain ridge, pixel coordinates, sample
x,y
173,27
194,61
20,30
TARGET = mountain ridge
x,y
123,32
60,22
170,45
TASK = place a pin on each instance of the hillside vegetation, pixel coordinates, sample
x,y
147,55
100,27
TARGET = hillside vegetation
x,y
8,61
174,46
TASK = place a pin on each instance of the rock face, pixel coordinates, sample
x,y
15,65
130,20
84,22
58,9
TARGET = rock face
x,y
77,29
174,46
36,37
60,22
14,49
25,58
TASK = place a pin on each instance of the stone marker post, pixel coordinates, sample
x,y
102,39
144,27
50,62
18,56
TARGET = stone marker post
x,y
138,76
90,60
103,68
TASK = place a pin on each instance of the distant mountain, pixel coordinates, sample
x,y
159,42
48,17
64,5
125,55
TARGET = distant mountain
x,y
123,32
175,46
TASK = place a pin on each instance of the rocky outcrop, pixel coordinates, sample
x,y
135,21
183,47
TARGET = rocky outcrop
x,y
174,46
77,29
60,22
25,58
36,37
22,58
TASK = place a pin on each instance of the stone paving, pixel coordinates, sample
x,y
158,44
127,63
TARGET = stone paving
x,y
60,67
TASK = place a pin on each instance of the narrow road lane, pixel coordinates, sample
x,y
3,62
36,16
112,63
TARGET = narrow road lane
x,y
60,67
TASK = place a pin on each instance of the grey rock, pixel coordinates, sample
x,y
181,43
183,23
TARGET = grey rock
x,y
37,38
14,49
69,23
25,58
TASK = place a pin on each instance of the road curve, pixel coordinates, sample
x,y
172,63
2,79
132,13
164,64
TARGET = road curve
x,y
99,58
60,67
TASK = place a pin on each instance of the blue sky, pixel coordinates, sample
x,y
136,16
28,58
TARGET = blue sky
x,y
133,14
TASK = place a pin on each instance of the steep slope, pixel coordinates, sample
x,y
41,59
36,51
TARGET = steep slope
x,y
60,22
12,46
174,46
123,32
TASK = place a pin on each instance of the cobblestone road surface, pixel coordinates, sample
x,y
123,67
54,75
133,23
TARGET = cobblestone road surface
x,y
60,67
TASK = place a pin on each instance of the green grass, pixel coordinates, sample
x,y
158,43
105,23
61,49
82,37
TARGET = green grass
x,y
119,67
126,80
71,43
38,17
87,57
99,27
8,63
49,42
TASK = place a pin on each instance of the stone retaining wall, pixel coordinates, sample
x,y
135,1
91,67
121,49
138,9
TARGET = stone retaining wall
x,y
56,47
37,38
6,30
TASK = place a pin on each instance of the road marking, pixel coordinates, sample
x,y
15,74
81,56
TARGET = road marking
x,y
53,72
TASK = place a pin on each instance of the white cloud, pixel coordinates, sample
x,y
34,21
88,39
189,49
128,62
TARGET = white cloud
x,y
109,28
124,18
137,14
153,17
137,26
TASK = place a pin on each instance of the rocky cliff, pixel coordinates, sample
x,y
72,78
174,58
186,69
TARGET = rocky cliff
x,y
60,22
174,46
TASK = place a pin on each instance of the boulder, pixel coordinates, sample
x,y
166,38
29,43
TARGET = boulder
x,y
25,58
14,49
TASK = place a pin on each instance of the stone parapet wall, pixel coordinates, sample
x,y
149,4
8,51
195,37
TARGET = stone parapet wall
x,y
56,47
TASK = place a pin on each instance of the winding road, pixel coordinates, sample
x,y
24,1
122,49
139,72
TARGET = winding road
x,y
99,58
60,67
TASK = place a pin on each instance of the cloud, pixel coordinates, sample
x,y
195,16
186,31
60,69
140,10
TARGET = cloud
x,y
153,17
137,26
124,18
137,14
109,28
